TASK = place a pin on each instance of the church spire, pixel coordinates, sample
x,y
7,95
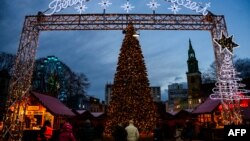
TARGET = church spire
x,y
192,61
191,53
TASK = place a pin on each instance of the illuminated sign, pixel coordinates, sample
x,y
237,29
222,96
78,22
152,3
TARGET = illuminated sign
x,y
33,108
58,5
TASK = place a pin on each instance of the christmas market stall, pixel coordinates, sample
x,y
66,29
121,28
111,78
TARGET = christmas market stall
x,y
43,107
82,115
208,120
208,112
40,108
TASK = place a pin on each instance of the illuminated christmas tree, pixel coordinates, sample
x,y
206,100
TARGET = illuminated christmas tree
x,y
228,89
130,96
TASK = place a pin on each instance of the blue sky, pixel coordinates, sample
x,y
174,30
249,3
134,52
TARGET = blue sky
x,y
95,53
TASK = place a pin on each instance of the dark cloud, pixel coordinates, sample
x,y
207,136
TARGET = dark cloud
x,y
178,78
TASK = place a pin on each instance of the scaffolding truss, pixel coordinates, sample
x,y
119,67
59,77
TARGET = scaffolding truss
x,y
23,68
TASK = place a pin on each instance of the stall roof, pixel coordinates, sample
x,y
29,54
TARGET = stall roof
x,y
97,114
79,112
54,105
93,114
173,113
207,107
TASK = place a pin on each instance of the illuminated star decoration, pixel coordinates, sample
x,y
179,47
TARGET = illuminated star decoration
x,y
153,5
208,4
174,8
226,43
127,7
81,8
105,4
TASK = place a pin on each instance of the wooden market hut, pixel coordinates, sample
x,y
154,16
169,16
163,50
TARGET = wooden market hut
x,y
43,107
40,108
208,111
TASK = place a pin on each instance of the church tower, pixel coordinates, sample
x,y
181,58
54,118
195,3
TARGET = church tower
x,y
193,79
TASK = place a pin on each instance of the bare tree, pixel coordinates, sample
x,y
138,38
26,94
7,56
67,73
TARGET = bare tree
x,y
209,76
241,65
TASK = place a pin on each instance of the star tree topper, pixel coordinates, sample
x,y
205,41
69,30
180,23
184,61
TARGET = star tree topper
x,y
226,43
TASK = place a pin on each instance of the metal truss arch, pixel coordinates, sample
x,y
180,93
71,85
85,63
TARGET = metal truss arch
x,y
24,64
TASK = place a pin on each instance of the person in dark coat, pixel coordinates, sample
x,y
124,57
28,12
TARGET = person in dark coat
x,y
188,131
158,133
99,130
86,131
120,134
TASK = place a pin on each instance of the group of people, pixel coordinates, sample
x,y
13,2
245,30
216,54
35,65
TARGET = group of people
x,y
130,133
66,132
85,132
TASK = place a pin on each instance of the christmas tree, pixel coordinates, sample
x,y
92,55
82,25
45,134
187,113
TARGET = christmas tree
x,y
130,96
228,89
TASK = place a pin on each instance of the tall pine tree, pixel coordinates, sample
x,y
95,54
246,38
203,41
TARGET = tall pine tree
x,y
130,96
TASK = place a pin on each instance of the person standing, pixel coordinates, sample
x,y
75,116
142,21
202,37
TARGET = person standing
x,y
66,134
158,134
99,128
178,132
132,131
45,132
120,134
86,131
188,131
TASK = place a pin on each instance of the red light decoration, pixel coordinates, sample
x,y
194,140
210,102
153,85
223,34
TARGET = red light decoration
x,y
244,103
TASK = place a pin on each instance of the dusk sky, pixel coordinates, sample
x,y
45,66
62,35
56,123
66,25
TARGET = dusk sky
x,y
95,53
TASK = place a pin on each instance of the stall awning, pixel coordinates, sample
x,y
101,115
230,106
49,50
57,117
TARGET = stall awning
x,y
54,105
207,107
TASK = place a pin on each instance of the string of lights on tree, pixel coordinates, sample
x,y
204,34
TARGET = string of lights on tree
x,y
228,89
130,96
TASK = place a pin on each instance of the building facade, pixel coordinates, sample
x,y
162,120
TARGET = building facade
x,y
108,90
155,92
89,103
177,97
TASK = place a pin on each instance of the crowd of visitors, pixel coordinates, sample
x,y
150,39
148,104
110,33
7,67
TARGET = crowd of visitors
x,y
93,131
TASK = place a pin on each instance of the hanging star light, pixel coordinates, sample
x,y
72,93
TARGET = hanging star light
x,y
127,7
174,8
81,8
226,43
153,5
105,4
